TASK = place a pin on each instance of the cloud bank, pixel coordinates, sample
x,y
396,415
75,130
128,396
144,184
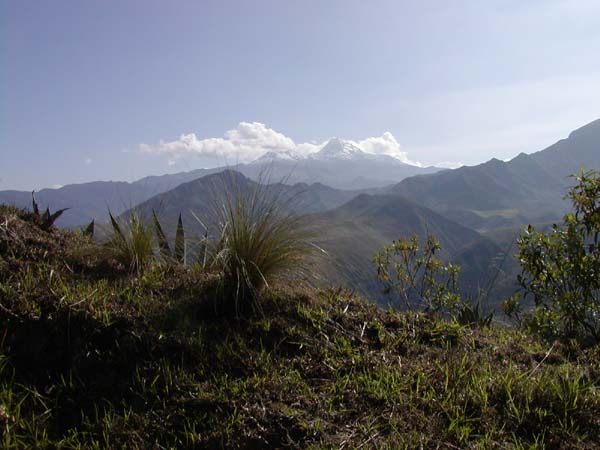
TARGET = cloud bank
x,y
250,140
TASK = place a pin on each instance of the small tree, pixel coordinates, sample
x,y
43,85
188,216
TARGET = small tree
x,y
561,270
420,279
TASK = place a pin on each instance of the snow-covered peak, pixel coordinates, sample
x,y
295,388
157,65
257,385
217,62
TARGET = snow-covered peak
x,y
284,155
338,149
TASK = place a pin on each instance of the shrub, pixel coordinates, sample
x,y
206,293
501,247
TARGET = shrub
x,y
561,270
421,280
260,237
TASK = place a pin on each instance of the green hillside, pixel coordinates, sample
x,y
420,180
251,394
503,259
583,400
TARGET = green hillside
x,y
93,357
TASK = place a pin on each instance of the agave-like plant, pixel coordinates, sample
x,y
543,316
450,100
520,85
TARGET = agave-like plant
x,y
46,220
260,237
179,253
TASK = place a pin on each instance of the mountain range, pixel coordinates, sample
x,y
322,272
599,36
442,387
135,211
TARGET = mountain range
x,y
476,212
339,164
528,188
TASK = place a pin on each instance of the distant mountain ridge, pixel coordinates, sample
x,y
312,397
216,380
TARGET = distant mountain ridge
x,y
339,164
198,198
353,232
528,188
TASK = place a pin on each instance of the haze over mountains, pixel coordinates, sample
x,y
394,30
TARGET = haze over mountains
x,y
360,202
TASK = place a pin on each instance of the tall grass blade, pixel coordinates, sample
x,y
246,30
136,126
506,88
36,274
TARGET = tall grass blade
x,y
36,209
89,230
163,244
180,242
116,227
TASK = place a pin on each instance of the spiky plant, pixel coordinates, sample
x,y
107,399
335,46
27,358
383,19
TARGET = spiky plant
x,y
177,256
88,231
46,220
260,237
133,243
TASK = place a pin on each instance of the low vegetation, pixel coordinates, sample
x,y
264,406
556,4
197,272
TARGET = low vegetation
x,y
561,271
102,351
412,272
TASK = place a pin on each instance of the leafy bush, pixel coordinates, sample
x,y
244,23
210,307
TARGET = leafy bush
x,y
561,270
420,279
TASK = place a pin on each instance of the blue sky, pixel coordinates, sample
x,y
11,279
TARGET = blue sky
x,y
107,89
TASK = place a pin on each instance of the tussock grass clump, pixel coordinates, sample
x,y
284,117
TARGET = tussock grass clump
x,y
132,243
260,238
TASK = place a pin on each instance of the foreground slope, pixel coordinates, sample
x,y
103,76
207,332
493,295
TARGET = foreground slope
x,y
95,358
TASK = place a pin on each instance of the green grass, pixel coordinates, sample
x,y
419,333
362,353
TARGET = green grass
x,y
92,356
505,213
132,243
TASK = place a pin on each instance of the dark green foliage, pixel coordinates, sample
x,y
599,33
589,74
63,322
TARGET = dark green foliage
x,y
561,270
116,227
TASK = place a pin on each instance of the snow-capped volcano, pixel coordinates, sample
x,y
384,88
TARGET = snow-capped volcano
x,y
339,149
335,149
337,163
284,155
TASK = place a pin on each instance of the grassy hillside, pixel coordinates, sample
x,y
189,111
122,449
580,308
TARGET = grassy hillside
x,y
93,357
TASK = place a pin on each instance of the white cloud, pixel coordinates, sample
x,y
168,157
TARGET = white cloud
x,y
250,140
88,161
57,186
247,142
386,144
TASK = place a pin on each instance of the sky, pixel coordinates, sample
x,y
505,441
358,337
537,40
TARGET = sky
x,y
117,90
